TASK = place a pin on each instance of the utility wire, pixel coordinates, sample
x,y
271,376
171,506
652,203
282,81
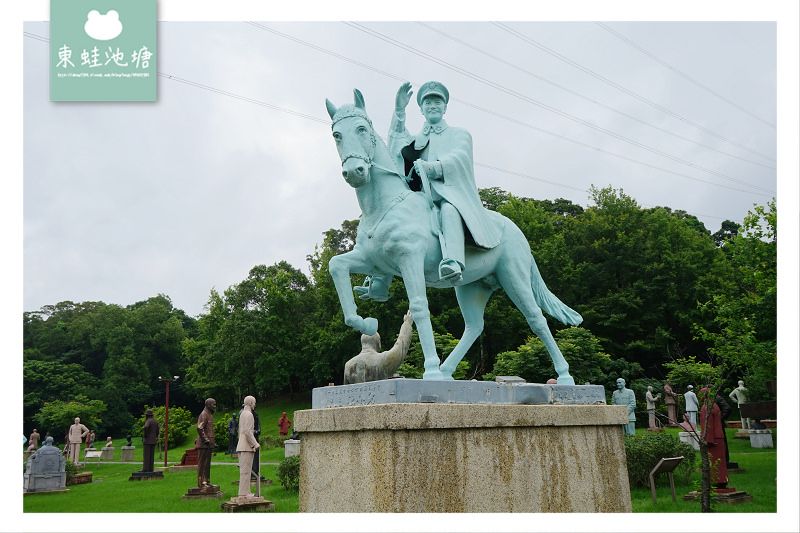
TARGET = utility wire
x,y
583,97
684,76
556,111
623,89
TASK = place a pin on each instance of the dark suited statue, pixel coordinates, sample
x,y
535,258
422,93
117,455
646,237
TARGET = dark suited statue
x,y
205,442
149,440
233,434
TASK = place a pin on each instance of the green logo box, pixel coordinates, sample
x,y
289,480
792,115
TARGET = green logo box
x,y
103,51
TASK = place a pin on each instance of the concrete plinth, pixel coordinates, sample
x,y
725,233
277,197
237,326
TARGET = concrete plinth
x,y
146,476
127,453
107,454
761,438
466,458
203,493
291,447
688,438
247,504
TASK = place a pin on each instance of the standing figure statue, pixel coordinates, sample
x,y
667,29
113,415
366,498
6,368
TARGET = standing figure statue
x,y
669,400
33,441
371,364
76,433
149,441
651,406
233,434
400,232
247,446
713,425
626,397
739,395
692,405
205,442
283,424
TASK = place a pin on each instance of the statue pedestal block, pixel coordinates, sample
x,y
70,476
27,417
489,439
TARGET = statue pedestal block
x,y
200,493
689,439
291,447
144,476
761,438
466,458
107,454
127,453
245,504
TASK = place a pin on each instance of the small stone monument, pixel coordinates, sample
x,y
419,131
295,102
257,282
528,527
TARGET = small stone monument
x,y
45,470
689,435
128,450
291,446
108,450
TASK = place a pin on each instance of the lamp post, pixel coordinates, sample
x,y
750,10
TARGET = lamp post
x,y
166,416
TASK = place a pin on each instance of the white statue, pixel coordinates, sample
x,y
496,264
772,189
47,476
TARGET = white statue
x,y
247,446
739,395
692,404
76,433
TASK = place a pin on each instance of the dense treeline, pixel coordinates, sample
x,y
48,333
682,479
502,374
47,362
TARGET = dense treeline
x,y
653,285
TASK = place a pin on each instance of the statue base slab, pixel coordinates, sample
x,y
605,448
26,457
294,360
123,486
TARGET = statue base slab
x,y
729,496
264,481
464,392
467,458
127,453
208,492
247,504
145,476
182,468
761,438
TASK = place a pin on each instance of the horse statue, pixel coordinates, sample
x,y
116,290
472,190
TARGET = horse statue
x,y
397,236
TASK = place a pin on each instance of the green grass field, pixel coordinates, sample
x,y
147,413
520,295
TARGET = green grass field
x,y
111,491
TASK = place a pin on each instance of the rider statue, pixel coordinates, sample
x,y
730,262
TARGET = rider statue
x,y
440,155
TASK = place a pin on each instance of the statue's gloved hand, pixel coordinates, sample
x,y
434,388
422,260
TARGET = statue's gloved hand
x,y
431,169
403,97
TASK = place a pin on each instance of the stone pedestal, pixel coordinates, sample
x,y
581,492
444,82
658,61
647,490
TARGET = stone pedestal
x,y
146,476
291,447
687,437
465,458
761,438
107,454
240,504
127,453
200,493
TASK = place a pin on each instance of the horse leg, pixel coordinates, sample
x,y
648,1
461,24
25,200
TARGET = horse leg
x,y
340,267
414,279
472,299
515,277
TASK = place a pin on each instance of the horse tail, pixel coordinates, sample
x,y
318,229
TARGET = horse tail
x,y
548,301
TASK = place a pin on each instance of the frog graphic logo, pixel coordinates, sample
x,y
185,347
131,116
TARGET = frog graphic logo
x,y
103,27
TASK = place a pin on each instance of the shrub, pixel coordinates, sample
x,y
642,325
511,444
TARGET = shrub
x,y
643,453
289,473
221,433
72,470
180,422
272,441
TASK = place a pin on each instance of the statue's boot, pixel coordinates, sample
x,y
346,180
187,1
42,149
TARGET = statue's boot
x,y
375,288
452,265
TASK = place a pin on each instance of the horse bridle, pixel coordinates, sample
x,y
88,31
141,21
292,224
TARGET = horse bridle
x,y
367,158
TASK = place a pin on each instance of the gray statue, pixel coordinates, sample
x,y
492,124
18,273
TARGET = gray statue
x,y
372,364
406,224
626,397
692,404
205,443
76,433
739,395
651,406
149,441
247,447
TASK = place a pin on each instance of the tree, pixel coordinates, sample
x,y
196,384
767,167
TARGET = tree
x,y
57,416
181,423
48,381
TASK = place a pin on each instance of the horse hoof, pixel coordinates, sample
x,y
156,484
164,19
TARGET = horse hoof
x,y
370,326
433,375
566,380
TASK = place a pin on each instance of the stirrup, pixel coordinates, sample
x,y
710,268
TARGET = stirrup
x,y
364,292
449,270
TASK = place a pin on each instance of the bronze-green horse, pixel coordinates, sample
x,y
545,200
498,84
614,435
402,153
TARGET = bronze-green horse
x,y
397,236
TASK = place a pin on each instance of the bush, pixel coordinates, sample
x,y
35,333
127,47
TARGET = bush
x,y
72,470
643,453
221,433
180,422
289,473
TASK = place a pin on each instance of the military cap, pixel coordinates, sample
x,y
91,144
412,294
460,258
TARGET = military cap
x,y
432,87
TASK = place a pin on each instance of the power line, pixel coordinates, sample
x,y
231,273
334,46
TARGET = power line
x,y
588,99
626,91
556,111
685,76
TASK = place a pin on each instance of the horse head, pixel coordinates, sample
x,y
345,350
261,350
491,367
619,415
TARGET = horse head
x,y
355,139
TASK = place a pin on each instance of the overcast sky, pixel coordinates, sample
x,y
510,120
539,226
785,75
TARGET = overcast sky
x,y
234,165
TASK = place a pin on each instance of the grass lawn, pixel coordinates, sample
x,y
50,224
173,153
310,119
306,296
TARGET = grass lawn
x,y
758,480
